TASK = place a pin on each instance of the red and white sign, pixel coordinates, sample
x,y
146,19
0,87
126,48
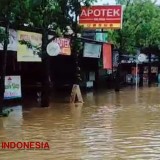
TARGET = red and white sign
x,y
64,44
59,46
107,17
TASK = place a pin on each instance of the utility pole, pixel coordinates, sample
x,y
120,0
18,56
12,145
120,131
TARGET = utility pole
x,y
45,62
46,69
76,92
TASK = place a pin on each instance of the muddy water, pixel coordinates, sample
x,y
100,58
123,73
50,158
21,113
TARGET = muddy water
x,y
107,126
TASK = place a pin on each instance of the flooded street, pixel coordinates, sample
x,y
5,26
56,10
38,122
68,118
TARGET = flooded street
x,y
108,126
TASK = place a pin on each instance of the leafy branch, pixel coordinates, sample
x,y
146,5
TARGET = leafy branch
x,y
36,49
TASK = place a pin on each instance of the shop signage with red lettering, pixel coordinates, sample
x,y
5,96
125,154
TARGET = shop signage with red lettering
x,y
107,17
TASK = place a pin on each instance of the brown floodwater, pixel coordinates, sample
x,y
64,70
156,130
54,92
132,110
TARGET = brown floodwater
x,y
108,126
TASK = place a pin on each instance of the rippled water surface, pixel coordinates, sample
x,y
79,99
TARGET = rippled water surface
x,y
108,126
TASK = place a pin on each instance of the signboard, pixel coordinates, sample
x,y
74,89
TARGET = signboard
x,y
92,50
102,17
29,53
13,42
12,87
99,35
64,46
103,37
142,57
89,84
107,56
89,34
53,49
153,70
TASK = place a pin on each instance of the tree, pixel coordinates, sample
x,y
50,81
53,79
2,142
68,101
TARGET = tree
x,y
46,15
140,26
9,11
53,15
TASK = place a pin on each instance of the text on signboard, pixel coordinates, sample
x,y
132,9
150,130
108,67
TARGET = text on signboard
x,y
101,12
63,42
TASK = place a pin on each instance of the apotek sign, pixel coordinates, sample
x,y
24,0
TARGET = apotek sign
x,y
102,17
59,46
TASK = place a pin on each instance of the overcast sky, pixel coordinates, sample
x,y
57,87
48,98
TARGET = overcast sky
x,y
113,1
106,1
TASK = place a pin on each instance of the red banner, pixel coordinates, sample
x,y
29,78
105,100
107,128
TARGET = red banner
x,y
64,44
101,17
107,56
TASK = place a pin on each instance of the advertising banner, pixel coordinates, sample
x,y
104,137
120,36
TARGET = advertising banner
x,y
99,36
12,87
102,37
64,44
107,56
29,53
101,17
92,50
59,46
13,40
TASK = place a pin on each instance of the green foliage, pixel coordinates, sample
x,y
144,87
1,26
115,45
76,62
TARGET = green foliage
x,y
35,48
141,23
12,12
47,15
56,15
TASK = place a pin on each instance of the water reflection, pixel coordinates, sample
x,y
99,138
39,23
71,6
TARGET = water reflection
x,y
15,118
108,126
76,111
